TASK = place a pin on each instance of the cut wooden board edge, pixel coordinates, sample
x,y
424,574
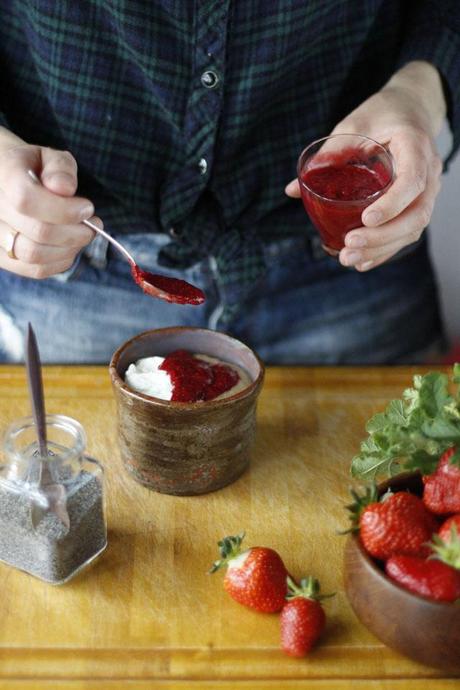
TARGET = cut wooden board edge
x,y
218,665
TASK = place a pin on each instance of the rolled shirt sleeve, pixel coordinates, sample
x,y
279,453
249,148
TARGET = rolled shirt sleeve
x,y
434,35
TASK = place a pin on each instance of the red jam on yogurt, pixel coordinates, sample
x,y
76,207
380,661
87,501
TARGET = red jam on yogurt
x,y
193,379
186,377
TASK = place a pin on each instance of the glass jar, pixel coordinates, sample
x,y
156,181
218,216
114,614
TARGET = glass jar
x,y
52,520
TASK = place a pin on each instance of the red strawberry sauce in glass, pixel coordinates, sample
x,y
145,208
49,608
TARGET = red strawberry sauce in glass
x,y
345,182
195,380
169,289
337,185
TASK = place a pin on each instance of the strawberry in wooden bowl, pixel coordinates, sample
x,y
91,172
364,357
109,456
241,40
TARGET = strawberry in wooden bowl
x,y
402,560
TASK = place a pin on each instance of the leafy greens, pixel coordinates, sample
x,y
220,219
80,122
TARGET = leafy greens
x,y
412,432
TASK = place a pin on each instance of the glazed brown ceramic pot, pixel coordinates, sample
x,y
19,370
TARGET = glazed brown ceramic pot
x,y
426,631
186,448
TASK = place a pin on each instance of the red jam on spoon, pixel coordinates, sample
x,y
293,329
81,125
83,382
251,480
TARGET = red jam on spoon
x,y
163,287
169,289
195,380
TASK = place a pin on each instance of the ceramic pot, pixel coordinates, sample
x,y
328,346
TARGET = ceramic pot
x,y
186,448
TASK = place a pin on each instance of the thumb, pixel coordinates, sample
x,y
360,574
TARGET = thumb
x,y
59,172
293,189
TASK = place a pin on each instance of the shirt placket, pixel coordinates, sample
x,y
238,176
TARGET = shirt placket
x,y
203,110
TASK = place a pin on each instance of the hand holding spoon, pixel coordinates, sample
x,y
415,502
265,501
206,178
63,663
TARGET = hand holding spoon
x,y
162,287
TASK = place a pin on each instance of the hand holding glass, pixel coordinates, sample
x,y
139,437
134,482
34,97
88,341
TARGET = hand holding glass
x,y
339,176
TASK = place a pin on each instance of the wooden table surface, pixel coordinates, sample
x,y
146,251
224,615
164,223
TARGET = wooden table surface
x,y
147,614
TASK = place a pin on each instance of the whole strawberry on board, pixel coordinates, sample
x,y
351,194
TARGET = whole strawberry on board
x,y
255,577
397,523
450,528
302,619
441,491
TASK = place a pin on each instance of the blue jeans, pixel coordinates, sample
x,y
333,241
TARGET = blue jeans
x,y
307,309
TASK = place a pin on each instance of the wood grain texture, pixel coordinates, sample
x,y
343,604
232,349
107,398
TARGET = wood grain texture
x,y
147,612
312,684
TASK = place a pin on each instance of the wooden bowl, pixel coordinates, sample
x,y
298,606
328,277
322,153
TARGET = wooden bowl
x,y
185,448
426,631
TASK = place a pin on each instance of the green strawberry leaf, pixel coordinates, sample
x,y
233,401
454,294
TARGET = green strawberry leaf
x,y
455,458
452,410
413,431
396,414
441,428
411,397
423,461
369,445
433,393
456,376
376,423
371,466
382,440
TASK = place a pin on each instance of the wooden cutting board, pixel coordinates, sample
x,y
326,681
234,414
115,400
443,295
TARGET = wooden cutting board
x,y
147,614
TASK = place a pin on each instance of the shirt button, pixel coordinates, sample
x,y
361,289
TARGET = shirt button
x,y
203,166
209,79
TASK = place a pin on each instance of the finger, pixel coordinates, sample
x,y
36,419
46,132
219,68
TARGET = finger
x,y
369,265
47,233
36,271
59,172
411,155
293,189
406,228
364,260
32,199
29,252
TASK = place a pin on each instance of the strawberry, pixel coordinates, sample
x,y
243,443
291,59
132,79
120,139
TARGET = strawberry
x,y
302,618
255,577
441,491
433,579
450,528
446,543
398,523
436,578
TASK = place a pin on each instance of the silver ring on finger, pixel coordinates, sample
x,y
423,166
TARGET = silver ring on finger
x,y
11,241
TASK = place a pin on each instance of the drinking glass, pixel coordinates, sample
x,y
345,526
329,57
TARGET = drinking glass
x,y
339,176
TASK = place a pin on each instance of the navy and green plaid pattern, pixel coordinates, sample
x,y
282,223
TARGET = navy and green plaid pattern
x,y
120,85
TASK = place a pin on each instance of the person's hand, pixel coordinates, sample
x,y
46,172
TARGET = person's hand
x,y
40,223
405,115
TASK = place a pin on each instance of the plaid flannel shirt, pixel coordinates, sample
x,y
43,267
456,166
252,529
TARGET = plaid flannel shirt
x,y
188,117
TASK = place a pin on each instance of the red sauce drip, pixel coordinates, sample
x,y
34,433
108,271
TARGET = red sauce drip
x,y
195,380
169,289
346,184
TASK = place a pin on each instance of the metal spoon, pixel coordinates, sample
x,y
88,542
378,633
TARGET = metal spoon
x,y
162,287
55,493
